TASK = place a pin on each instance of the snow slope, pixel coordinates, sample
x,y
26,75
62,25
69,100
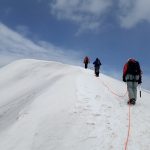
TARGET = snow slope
x,y
52,106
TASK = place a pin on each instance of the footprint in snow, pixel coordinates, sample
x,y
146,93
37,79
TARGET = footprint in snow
x,y
107,116
109,128
98,97
109,107
86,109
96,115
88,106
104,105
90,123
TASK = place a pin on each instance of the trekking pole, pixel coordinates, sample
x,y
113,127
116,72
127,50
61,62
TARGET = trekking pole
x,y
140,91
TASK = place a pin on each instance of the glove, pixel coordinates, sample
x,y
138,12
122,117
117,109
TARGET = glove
x,y
140,80
124,79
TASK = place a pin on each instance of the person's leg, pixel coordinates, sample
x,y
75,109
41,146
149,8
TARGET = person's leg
x,y
85,65
97,71
130,90
135,84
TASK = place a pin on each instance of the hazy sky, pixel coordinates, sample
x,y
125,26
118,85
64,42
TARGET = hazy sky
x,y
67,30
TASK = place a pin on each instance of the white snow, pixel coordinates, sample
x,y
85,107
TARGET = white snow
x,y
52,106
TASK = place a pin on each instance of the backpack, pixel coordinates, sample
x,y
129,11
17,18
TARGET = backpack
x,y
133,67
98,63
86,60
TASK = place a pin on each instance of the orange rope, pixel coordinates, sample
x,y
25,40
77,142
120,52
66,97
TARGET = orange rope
x,y
113,91
129,126
129,114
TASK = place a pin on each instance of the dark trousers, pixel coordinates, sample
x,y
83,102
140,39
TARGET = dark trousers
x,y
97,71
86,65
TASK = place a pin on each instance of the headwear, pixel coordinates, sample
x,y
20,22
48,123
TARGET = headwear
x,y
131,59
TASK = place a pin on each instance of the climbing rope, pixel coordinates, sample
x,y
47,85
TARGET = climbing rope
x,y
129,126
120,96
129,113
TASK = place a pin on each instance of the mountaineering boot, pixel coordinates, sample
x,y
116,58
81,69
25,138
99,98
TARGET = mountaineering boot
x,y
129,102
133,101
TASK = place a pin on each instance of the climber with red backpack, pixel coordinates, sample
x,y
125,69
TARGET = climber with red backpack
x,y
86,61
132,75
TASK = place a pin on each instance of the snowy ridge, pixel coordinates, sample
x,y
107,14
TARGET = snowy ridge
x,y
52,106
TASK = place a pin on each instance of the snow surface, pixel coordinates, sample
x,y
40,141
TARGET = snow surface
x,y
53,106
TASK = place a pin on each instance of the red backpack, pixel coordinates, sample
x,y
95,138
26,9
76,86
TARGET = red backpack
x,y
133,67
86,60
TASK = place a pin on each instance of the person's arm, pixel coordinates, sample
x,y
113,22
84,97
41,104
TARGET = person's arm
x,y
124,72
